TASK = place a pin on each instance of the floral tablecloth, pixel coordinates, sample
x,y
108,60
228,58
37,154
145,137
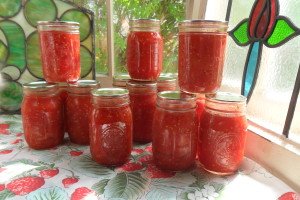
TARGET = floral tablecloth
x,y
67,172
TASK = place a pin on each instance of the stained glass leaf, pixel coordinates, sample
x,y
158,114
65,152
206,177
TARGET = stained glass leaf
x,y
12,71
37,10
86,61
34,56
283,31
240,33
11,96
82,18
16,43
3,53
9,8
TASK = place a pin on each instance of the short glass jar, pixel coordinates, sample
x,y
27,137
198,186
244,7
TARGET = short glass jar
x,y
111,126
120,80
142,103
200,102
60,50
42,115
175,129
222,133
166,83
78,109
144,50
201,55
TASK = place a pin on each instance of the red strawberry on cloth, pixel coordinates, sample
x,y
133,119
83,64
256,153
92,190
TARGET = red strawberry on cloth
x,y
4,129
25,185
6,151
69,181
129,167
19,134
75,153
2,187
154,172
83,193
289,196
16,141
146,159
137,151
2,169
149,148
49,173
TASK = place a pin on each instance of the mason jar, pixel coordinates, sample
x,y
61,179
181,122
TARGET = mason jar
x,y
42,115
60,50
142,103
120,80
144,49
222,133
166,83
175,128
201,55
111,126
78,110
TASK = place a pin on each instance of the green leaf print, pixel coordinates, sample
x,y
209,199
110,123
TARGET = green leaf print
x,y
99,186
54,193
126,186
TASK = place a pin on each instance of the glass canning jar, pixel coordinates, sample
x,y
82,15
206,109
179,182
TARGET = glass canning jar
x,y
222,133
42,115
175,130
111,126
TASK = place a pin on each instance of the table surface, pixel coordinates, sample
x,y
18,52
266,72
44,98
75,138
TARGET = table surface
x,y
67,172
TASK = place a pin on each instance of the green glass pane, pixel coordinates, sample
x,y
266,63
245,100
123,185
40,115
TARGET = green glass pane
x,y
241,33
281,33
3,53
40,10
12,71
11,96
16,43
86,61
82,18
34,56
9,8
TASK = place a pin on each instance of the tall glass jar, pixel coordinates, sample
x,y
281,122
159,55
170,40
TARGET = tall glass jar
x,y
166,83
142,103
200,102
201,55
78,110
144,50
120,80
175,130
222,133
42,115
60,50
111,126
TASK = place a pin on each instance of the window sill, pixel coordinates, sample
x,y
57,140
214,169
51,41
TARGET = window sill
x,y
275,153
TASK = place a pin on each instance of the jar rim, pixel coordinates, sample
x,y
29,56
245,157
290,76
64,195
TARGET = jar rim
x,y
58,23
141,84
226,97
121,77
144,20
110,92
38,85
176,95
84,84
201,21
165,78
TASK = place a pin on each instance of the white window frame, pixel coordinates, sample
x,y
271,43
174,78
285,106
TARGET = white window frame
x,y
276,153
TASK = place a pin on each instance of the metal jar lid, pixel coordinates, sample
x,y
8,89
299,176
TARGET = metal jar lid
x,y
142,84
226,97
165,78
84,84
110,92
176,95
68,26
144,24
203,26
39,86
121,79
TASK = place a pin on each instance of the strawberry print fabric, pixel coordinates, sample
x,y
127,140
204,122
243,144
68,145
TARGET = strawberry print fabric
x,y
67,172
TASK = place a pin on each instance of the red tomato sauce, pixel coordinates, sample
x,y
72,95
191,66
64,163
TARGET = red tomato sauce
x,y
60,53
143,107
78,113
174,139
111,135
144,55
200,61
42,120
221,142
